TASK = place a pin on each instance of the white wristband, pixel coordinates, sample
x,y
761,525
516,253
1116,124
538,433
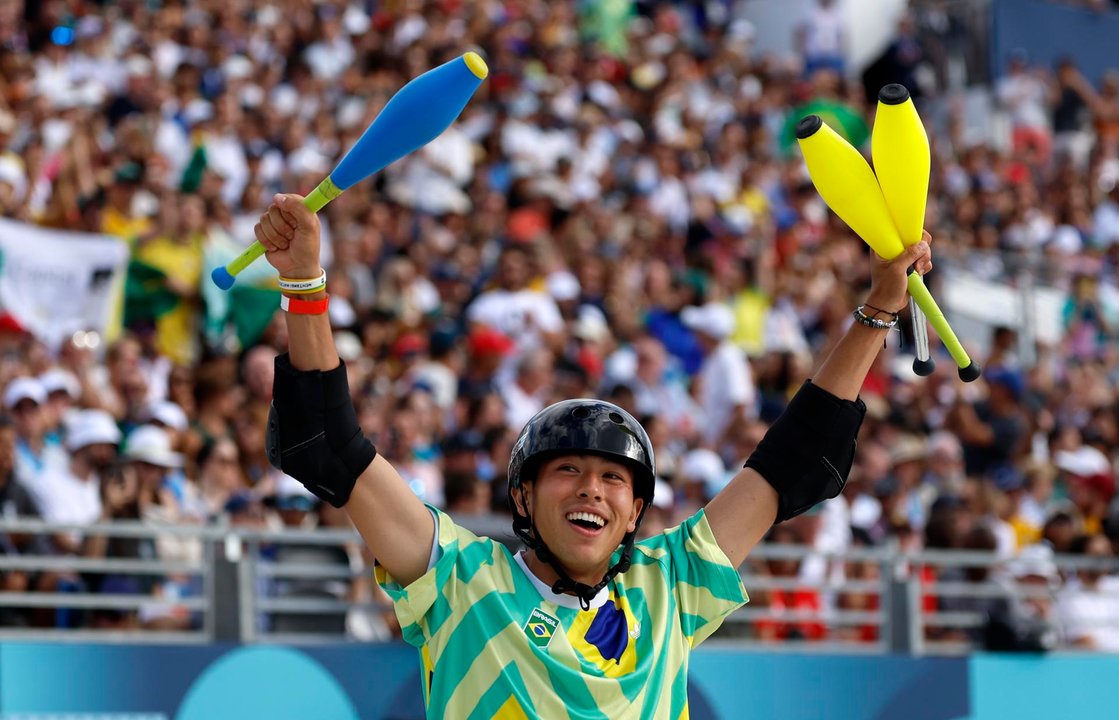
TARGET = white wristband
x,y
303,286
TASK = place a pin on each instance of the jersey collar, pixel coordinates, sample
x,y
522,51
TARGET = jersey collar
x,y
567,601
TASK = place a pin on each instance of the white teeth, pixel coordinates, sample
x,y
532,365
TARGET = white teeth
x,y
587,517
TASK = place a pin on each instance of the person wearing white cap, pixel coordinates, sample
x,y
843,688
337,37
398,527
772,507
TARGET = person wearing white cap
x,y
24,400
72,493
63,390
165,496
149,446
169,416
726,391
1026,619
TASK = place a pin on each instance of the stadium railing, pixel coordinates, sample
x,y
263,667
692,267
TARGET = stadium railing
x,y
297,586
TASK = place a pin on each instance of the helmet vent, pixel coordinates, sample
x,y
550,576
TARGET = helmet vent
x,y
616,419
580,412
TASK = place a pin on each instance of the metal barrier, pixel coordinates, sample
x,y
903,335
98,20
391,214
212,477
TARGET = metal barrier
x,y
301,586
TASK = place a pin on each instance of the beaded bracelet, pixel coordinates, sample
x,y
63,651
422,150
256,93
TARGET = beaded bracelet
x,y
873,322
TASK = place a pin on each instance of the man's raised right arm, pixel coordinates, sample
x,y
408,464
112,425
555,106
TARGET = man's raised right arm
x,y
313,433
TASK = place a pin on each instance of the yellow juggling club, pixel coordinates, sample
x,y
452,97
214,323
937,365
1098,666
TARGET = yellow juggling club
x,y
848,185
899,148
900,151
845,181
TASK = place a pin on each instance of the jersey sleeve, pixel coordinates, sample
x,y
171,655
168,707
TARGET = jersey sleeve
x,y
430,601
707,586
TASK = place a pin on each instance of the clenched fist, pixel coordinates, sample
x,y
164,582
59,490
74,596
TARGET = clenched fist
x,y
289,232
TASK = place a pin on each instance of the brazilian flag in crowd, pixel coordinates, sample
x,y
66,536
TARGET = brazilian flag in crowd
x,y
231,320
168,290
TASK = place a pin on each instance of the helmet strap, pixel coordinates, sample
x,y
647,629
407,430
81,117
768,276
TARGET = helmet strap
x,y
525,529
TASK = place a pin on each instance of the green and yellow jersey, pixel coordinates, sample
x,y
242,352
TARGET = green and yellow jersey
x,y
495,641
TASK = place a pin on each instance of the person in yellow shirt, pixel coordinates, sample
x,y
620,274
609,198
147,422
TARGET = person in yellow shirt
x,y
177,253
117,217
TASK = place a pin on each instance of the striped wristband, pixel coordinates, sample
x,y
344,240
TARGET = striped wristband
x,y
303,287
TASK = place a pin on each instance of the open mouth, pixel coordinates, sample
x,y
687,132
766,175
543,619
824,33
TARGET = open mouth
x,y
587,522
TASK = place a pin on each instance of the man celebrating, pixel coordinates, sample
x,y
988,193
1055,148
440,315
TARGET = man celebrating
x,y
585,622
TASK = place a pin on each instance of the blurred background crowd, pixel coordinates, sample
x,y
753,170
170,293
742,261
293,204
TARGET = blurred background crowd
x,y
620,212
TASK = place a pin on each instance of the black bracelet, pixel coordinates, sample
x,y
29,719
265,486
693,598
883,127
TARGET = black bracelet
x,y
880,310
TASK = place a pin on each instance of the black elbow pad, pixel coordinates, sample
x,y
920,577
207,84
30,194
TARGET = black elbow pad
x,y
807,454
313,433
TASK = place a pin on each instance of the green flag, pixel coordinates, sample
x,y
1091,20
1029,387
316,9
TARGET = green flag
x,y
842,118
146,296
241,314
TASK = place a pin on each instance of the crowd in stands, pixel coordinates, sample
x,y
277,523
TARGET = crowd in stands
x,y
620,212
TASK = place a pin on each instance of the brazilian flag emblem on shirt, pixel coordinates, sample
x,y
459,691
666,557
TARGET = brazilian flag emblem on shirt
x,y
540,628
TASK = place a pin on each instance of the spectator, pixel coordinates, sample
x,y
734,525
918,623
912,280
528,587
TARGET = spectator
x,y
859,570
993,430
1059,532
1023,94
120,383
659,389
1034,505
1088,605
1105,111
979,539
170,417
25,399
781,603
1026,620
465,494
1086,473
1091,495
701,475
1071,95
442,369
659,515
528,316
822,38
530,388
944,466
72,493
725,386
898,63
164,496
15,502
1087,329
908,456
63,391
298,510
487,349
220,480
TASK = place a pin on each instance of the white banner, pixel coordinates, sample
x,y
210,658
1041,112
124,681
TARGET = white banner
x,y
55,282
